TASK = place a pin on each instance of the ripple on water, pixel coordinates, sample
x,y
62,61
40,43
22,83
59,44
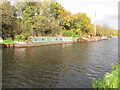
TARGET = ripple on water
x,y
73,66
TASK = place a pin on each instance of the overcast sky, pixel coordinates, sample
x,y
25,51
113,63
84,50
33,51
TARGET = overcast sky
x,y
106,10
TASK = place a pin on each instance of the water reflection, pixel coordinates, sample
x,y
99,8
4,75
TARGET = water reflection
x,y
68,65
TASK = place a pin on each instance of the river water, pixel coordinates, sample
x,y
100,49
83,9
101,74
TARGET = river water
x,y
58,66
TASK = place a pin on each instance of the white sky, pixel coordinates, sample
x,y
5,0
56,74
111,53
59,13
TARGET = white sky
x,y
106,10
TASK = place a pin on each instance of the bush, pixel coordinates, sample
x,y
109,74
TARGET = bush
x,y
20,38
110,80
69,33
75,38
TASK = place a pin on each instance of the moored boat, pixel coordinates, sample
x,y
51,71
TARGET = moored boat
x,y
87,39
104,38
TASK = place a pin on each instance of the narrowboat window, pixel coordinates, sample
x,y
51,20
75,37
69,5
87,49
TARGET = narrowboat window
x,y
35,39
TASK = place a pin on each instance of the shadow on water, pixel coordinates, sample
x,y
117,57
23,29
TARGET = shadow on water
x,y
67,66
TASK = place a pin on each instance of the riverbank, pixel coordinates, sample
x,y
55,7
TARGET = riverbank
x,y
39,41
110,80
31,44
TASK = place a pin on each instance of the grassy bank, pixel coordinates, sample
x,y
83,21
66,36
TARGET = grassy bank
x,y
110,80
7,42
75,38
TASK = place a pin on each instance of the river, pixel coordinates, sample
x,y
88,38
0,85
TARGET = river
x,y
58,66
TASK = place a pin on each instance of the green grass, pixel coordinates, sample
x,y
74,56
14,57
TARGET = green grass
x,y
110,80
9,41
75,38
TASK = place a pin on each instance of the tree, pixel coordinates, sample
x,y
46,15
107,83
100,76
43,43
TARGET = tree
x,y
8,20
28,20
105,30
80,23
57,11
45,18
46,24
